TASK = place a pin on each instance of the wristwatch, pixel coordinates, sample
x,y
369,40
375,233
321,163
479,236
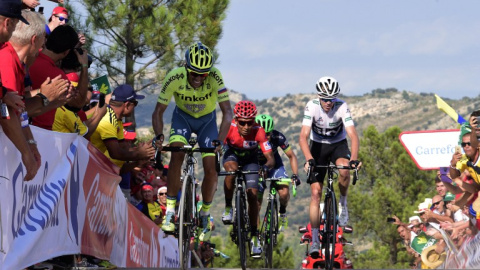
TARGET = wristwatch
x,y
44,99
31,141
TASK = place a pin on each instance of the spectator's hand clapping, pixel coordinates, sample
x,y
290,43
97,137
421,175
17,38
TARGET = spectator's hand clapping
x,y
146,150
31,3
56,90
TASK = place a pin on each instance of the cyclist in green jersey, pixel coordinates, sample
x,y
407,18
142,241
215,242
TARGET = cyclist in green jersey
x,y
196,87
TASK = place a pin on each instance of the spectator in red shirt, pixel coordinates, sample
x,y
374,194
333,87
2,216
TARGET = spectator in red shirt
x,y
10,14
60,42
242,141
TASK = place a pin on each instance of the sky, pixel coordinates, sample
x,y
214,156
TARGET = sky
x,y
272,48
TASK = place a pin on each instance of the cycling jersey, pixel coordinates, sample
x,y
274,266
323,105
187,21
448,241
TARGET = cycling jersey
x,y
196,102
249,143
328,127
277,139
464,164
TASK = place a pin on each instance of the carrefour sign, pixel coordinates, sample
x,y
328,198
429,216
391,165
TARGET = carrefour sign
x,y
430,149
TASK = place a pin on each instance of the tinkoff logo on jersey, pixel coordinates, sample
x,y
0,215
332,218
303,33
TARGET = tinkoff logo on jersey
x,y
194,98
171,79
217,77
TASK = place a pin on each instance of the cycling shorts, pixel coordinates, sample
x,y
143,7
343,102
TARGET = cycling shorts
x,y
279,172
183,125
325,154
248,162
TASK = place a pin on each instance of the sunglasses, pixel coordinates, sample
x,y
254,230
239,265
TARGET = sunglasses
x,y
326,100
195,74
243,123
62,18
162,194
465,144
436,203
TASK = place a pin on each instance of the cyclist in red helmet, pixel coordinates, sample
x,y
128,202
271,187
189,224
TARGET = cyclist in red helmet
x,y
241,144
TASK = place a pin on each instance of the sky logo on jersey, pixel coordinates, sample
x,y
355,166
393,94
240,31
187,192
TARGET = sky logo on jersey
x,y
348,119
307,117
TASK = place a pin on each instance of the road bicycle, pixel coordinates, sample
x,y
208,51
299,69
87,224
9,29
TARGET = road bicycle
x,y
330,211
269,228
188,220
241,222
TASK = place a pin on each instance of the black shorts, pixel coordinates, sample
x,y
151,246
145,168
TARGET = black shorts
x,y
248,161
325,154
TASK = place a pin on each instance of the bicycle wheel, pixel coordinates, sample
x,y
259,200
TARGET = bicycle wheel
x,y
271,232
240,206
187,221
330,231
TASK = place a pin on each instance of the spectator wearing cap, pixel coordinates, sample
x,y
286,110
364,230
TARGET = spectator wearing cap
x,y
109,137
59,17
71,119
436,213
416,224
149,206
162,198
58,45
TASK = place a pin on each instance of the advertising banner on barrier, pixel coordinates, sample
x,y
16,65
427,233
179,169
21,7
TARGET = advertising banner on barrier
x,y
69,209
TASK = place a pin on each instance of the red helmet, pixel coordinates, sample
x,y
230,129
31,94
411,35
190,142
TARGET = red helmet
x,y
245,109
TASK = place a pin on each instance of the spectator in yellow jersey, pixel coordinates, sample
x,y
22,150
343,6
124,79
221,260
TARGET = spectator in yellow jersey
x,y
70,119
197,88
109,136
467,161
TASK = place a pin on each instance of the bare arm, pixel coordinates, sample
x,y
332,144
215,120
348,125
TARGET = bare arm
x,y
303,141
473,135
120,152
352,134
93,122
270,159
293,160
227,116
82,88
157,118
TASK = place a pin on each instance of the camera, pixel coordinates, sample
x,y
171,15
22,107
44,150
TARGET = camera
x,y
79,50
390,220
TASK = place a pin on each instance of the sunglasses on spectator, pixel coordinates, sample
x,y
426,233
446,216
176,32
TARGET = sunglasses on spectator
x,y
465,144
62,18
243,123
162,194
195,74
436,203
326,100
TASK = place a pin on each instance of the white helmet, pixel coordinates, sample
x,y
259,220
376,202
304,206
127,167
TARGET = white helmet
x,y
327,87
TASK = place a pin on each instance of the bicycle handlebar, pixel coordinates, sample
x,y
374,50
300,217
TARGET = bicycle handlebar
x,y
284,181
340,167
237,172
188,148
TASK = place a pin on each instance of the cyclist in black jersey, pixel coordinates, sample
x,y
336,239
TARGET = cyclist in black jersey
x,y
276,140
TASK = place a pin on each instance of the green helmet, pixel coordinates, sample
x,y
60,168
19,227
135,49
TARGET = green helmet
x,y
199,58
266,121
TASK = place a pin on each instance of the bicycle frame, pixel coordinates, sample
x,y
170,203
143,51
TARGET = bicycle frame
x,y
270,221
188,215
330,213
241,221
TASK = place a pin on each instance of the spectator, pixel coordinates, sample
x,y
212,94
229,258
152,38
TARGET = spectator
x,y
436,213
70,119
11,101
149,206
59,17
416,224
109,136
162,198
440,187
58,45
467,161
